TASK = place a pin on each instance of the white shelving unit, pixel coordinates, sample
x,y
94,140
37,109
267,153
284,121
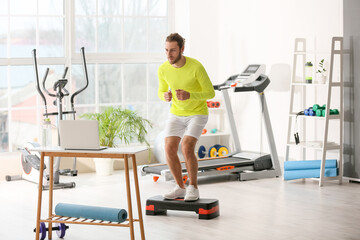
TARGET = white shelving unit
x,y
321,144
217,120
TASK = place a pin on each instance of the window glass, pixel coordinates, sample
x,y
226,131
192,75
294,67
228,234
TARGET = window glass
x,y
135,7
23,36
85,7
109,35
22,86
158,7
135,35
158,113
3,87
23,7
157,34
51,7
78,82
85,33
82,110
4,131
109,7
4,6
3,36
109,78
135,82
153,82
24,127
51,37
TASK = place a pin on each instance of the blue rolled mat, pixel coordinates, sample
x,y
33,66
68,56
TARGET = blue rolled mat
x,y
308,173
91,212
309,164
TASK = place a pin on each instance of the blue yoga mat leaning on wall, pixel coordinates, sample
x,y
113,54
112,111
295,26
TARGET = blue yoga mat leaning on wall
x,y
91,212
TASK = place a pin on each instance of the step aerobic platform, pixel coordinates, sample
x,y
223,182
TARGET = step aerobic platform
x,y
206,208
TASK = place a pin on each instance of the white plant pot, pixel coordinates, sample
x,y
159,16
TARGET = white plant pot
x,y
321,78
104,166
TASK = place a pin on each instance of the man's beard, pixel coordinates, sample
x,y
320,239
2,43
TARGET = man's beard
x,y
176,59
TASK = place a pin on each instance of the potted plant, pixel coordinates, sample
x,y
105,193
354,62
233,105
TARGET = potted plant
x,y
321,72
117,126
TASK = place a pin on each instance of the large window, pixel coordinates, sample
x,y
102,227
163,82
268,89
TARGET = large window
x,y
124,46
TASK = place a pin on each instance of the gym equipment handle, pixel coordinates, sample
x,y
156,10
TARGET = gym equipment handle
x,y
82,50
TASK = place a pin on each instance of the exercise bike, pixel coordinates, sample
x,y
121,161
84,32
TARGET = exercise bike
x,y
30,161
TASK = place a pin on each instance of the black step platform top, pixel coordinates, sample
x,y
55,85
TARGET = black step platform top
x,y
206,208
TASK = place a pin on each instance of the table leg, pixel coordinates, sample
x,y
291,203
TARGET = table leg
x,y
40,185
136,180
51,184
128,190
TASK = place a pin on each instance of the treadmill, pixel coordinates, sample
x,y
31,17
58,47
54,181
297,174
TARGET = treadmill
x,y
247,165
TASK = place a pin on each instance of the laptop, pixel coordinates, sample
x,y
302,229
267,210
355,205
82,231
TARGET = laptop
x,y
79,135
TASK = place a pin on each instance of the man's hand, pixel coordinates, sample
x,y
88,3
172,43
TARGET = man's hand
x,y
182,95
168,96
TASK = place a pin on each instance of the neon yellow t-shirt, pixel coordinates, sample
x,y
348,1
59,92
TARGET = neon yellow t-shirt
x,y
192,78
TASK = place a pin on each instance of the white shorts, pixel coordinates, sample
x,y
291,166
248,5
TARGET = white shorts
x,y
185,125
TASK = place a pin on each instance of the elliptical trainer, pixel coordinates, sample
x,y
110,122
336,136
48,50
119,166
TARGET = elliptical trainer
x,y
30,161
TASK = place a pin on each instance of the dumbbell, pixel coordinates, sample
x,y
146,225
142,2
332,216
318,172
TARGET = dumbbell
x,y
214,130
318,109
332,112
317,106
204,131
60,229
213,104
201,151
218,151
309,112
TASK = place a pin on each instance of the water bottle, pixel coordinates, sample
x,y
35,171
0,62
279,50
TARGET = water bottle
x,y
308,72
46,133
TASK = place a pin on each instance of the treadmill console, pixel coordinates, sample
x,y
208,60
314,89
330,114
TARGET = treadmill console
x,y
251,79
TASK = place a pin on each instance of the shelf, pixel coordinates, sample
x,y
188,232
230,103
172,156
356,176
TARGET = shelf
x,y
312,52
216,109
72,220
314,117
209,134
322,144
333,84
315,145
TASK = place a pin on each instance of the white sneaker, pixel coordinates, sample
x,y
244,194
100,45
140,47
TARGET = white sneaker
x,y
192,194
177,192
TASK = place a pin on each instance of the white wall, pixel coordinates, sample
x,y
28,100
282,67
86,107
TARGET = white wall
x,y
227,35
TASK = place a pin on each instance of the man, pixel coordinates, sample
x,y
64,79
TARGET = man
x,y
184,82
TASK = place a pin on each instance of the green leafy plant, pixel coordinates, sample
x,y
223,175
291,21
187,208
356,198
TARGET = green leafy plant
x,y
321,68
120,125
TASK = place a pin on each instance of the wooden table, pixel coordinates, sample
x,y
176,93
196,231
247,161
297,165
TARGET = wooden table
x,y
125,153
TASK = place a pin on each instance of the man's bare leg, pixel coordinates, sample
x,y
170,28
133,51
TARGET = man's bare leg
x,y
171,149
188,149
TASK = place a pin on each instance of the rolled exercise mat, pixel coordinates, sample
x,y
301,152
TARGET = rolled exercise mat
x,y
309,164
91,212
309,173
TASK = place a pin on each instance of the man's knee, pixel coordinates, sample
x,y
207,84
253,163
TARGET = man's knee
x,y
171,146
188,148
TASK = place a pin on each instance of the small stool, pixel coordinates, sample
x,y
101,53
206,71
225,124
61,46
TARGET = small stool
x,y
206,208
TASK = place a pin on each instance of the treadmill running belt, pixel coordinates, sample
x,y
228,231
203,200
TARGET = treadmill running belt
x,y
205,164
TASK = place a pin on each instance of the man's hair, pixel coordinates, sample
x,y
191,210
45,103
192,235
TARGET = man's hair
x,y
175,37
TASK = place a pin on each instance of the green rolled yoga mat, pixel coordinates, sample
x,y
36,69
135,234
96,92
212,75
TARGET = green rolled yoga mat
x,y
91,212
